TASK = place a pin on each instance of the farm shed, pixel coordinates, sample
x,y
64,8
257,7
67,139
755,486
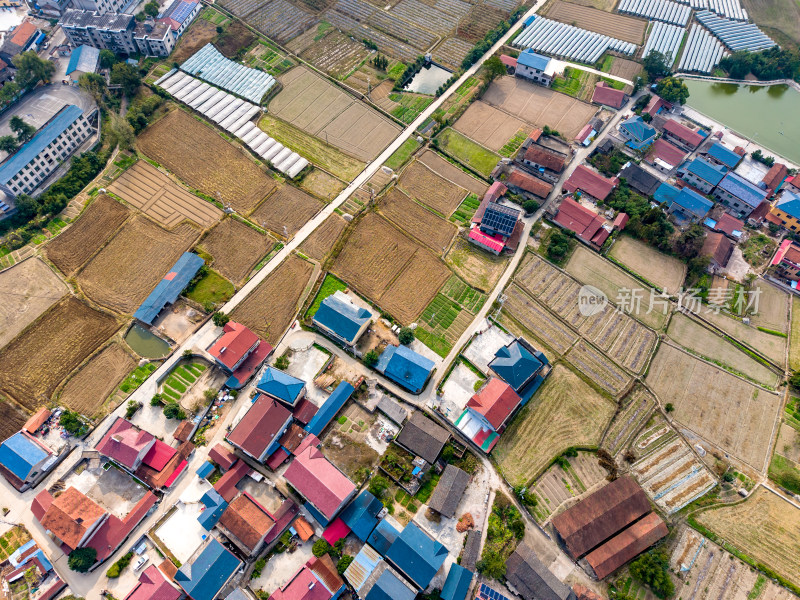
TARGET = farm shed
x,y
422,437
169,288
330,408
664,38
531,579
472,549
449,491
22,457
392,409
627,545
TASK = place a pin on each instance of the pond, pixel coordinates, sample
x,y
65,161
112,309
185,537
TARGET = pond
x,y
765,114
146,344
428,80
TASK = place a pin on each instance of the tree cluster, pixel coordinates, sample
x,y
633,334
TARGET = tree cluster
x,y
672,90
31,69
380,62
81,559
23,132
759,157
657,64
652,569
773,63
558,246
490,38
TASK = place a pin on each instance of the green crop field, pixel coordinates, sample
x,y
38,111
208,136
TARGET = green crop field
x,y
466,210
468,152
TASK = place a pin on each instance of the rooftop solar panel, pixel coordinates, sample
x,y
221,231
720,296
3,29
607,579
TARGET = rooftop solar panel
x,y
183,10
487,593
500,218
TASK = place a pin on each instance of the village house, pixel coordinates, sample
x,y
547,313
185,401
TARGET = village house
x,y
722,156
678,133
417,555
317,579
239,352
342,319
449,491
665,156
24,459
786,262
405,367
152,585
83,60
638,135
639,179
126,444
786,211
422,437
775,177
531,579
590,183
20,39
739,195
718,248
534,67
606,95
702,174
281,386
684,204
259,431
458,583
525,184
208,571
363,514
179,15
246,523
586,224
547,164
725,223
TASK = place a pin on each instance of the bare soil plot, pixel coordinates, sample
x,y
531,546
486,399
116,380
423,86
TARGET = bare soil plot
x,y
559,485
718,406
539,105
535,318
431,189
78,242
639,404
321,242
598,368
321,109
479,269
236,248
12,418
789,443
383,264
88,388
199,156
773,307
693,336
286,211
272,306
156,195
128,268
764,527
61,339
449,171
607,5
664,271
621,27
771,346
337,54
431,230
565,412
235,37
480,19
200,32
27,290
627,69
489,126
322,185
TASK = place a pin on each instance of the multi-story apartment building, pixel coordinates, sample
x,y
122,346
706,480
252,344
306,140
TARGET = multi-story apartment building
x,y
117,32
35,161
100,6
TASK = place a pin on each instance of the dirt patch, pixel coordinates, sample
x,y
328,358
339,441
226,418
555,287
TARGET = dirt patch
x,y
198,35
452,173
620,27
199,156
350,455
337,54
489,126
319,243
86,391
479,269
431,189
124,273
37,361
627,69
236,248
286,211
272,306
78,242
322,185
478,21
156,195
664,271
236,37
26,290
12,418
431,230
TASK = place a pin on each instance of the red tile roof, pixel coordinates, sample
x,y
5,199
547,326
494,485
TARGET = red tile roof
x,y
335,531
605,94
656,103
495,191
690,137
71,515
775,176
548,160
321,483
252,363
508,61
226,485
114,530
293,437
303,528
590,182
325,571
626,545
576,217
718,247
493,242
153,586
236,341
496,401
286,512
584,133
621,220
183,431
247,520
529,183
304,411
276,459
728,224
670,154
123,442
159,455
37,420
222,455
302,586
164,477
23,33
41,503
259,427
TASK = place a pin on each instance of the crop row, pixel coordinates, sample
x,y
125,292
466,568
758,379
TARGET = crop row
x,y
531,315
598,368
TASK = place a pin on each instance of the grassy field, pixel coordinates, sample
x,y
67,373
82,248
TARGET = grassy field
x,y
330,285
318,152
402,154
785,473
794,346
565,412
448,315
466,210
213,289
783,15
468,152
771,346
693,336
664,271
410,105
479,269
773,308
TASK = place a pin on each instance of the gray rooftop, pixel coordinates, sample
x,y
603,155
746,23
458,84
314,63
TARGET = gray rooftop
x,y
87,18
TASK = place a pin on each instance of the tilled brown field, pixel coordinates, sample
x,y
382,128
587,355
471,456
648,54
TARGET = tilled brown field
x,y
428,187
12,418
272,306
621,27
433,231
86,391
319,243
124,273
38,360
199,156
288,208
76,244
236,248
449,171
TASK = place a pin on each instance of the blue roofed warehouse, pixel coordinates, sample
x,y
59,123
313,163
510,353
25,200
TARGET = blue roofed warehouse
x,y
169,288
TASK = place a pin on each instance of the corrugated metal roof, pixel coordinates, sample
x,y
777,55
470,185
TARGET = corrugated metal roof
x,y
362,566
169,288
83,58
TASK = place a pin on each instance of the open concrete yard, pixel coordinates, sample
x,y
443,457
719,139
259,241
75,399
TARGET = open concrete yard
x,y
26,290
490,126
109,486
664,271
321,109
539,105
721,408
458,389
613,25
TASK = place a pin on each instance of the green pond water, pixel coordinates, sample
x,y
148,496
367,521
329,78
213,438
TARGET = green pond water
x,y
767,115
145,344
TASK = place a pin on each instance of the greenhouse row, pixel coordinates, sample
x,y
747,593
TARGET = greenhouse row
x,y
735,34
664,38
702,51
210,64
566,41
657,10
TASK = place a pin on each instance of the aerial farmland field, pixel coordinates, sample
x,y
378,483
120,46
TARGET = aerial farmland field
x,y
35,362
598,368
773,307
452,173
286,211
204,160
565,412
664,271
558,485
12,418
127,269
236,248
771,346
535,318
95,226
27,290
86,391
322,240
335,53
490,126
481,270
638,405
428,228
613,25
431,189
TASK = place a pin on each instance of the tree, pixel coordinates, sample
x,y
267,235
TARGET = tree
x,y
493,68
8,143
672,90
126,76
9,91
81,559
31,69
23,130
151,9
690,242
27,207
172,410
94,84
657,64
378,486
406,335
652,569
320,548
72,423
557,246
370,358
530,206
344,562
121,131
669,407
282,362
380,62
107,59
220,319
794,380
156,400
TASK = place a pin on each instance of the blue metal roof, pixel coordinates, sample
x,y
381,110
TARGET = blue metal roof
x,y
342,318
640,130
205,470
169,288
215,506
531,59
666,193
743,189
84,58
361,515
707,171
383,536
729,158
789,202
457,583
417,555
278,384
404,366
693,202
211,569
20,454
30,150
390,587
515,364
328,411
